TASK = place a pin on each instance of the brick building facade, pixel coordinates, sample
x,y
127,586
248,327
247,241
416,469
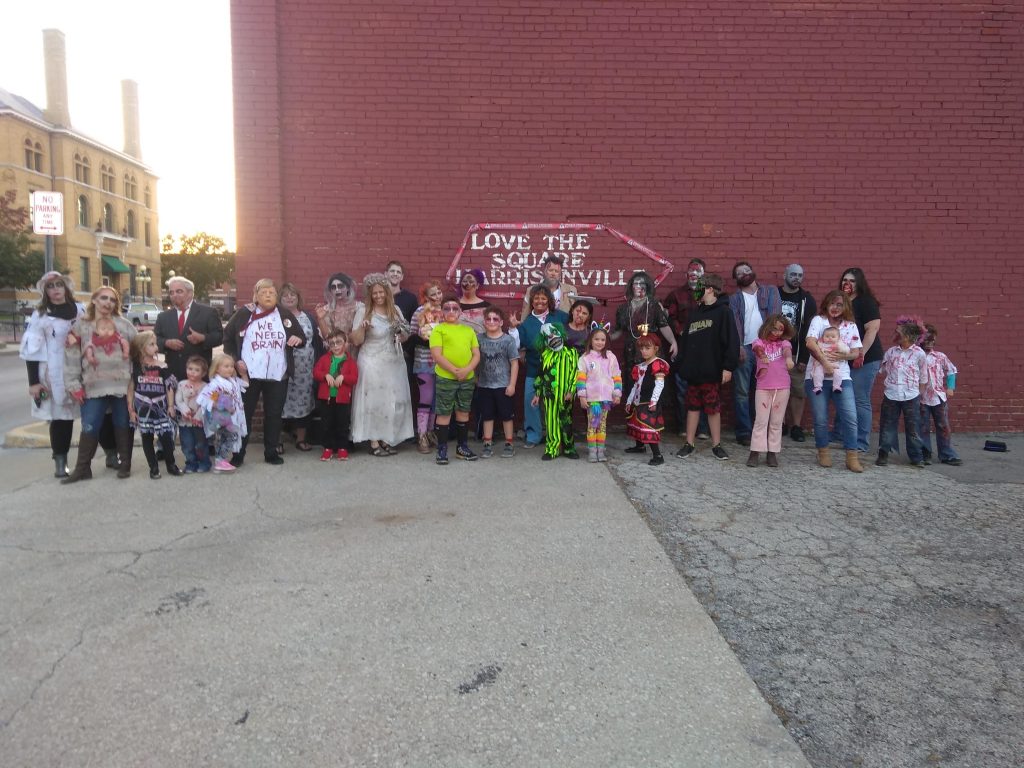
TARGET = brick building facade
x,y
887,135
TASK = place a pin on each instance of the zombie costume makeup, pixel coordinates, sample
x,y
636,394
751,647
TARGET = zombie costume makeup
x,y
640,314
555,386
339,307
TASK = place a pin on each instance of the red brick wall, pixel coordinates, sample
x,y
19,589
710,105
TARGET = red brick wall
x,y
883,134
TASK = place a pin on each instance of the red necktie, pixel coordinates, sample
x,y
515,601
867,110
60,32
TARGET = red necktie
x,y
181,323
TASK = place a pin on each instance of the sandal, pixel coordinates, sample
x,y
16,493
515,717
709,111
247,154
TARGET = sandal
x,y
390,449
303,446
378,451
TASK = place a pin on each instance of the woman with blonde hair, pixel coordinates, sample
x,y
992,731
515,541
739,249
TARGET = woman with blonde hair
x,y
381,406
97,372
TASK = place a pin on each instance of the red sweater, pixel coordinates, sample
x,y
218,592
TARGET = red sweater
x,y
348,370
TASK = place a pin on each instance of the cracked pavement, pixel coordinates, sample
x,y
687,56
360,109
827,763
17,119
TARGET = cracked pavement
x,y
881,615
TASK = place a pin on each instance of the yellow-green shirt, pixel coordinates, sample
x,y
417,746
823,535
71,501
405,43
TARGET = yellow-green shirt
x,y
457,343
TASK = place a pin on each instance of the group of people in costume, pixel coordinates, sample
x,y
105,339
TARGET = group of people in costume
x,y
394,366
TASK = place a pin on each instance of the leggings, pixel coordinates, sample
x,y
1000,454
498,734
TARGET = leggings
x,y
597,423
166,443
425,403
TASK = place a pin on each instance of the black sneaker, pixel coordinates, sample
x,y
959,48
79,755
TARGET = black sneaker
x,y
917,464
685,452
953,462
883,459
719,452
635,449
657,461
464,453
274,459
744,441
154,473
796,434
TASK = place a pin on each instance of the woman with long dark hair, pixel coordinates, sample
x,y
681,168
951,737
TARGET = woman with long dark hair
x,y
864,369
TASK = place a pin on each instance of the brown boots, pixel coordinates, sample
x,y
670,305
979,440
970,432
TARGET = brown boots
x,y
824,457
853,461
83,465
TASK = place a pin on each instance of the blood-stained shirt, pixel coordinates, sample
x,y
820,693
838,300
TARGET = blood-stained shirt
x,y
904,371
939,367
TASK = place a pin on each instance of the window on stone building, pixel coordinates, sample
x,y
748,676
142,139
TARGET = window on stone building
x,y
107,177
33,155
149,199
86,171
108,218
83,267
148,234
130,223
131,189
83,211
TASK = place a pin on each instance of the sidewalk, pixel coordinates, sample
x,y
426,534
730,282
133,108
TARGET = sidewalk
x,y
358,614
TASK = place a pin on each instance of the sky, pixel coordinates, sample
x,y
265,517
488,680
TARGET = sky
x,y
180,55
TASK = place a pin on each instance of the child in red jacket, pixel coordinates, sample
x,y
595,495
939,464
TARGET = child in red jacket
x,y
336,373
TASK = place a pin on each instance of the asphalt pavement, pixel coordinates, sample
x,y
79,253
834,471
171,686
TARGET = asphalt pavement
x,y
881,614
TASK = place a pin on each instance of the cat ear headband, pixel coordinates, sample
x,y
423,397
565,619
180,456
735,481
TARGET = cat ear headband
x,y
596,326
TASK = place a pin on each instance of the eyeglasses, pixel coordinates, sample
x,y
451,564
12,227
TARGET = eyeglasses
x,y
492,319
48,286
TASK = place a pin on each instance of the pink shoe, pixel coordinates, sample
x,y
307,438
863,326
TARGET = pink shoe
x,y
342,454
223,465
326,455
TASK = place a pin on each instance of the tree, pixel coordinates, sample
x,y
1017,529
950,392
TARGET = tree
x,y
21,265
202,258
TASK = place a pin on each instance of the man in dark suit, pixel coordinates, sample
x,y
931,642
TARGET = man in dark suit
x,y
190,328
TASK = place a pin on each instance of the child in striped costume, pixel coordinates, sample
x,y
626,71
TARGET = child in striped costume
x,y
555,385
599,387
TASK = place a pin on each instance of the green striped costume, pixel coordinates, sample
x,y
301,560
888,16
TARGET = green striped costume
x,y
556,382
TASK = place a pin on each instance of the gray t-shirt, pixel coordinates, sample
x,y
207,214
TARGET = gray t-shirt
x,y
496,356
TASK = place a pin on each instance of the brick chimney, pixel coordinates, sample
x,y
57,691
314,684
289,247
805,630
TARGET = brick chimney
x,y
130,108
56,111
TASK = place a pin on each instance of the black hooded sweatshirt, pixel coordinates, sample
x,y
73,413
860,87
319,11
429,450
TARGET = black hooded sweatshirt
x,y
710,343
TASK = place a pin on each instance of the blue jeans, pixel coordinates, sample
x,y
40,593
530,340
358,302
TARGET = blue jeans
x,y
846,413
531,414
196,448
889,426
95,408
940,415
742,384
863,381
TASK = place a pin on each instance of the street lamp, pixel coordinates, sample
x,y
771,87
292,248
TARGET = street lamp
x,y
144,276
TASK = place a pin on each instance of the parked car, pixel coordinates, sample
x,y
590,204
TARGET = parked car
x,y
140,314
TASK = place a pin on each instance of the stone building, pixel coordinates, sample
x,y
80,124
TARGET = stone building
x,y
110,196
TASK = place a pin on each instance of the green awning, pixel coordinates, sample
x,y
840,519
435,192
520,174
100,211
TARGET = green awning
x,y
114,264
